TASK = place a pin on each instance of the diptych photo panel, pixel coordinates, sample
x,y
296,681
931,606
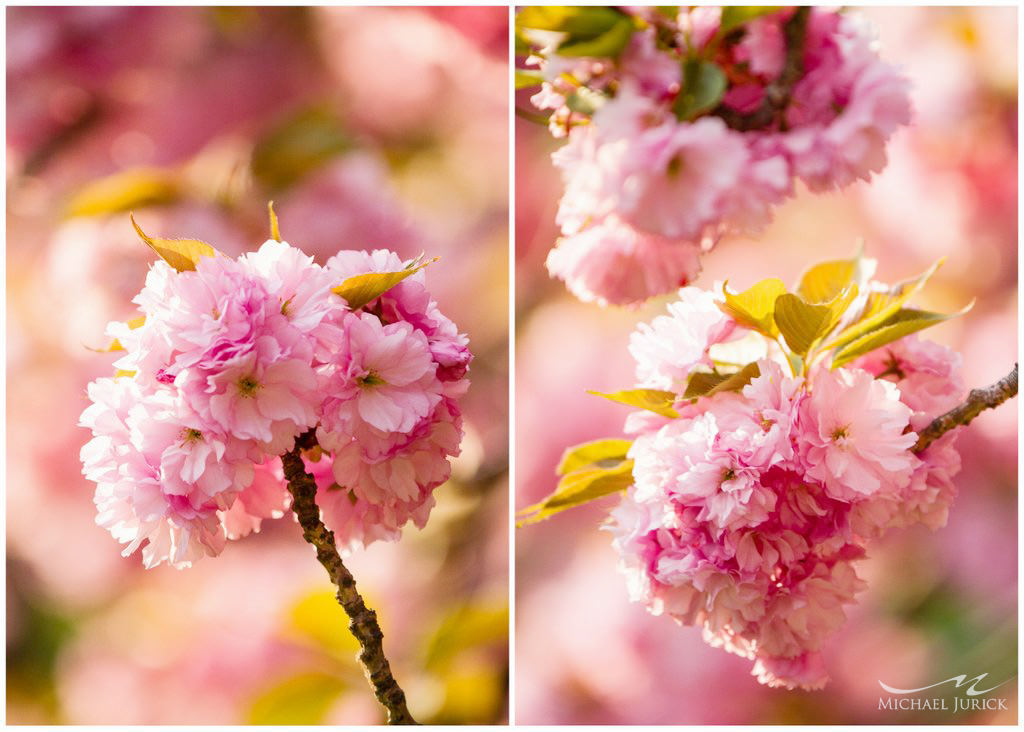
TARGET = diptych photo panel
x,y
499,366
763,255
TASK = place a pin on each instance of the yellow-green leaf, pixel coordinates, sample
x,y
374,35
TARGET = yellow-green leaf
x,y
182,254
881,306
577,21
701,382
709,384
358,290
526,79
579,487
654,400
590,453
606,45
275,230
903,323
754,308
803,324
124,191
823,282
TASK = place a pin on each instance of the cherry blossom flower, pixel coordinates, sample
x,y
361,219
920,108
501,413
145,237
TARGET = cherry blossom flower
x,y
237,358
686,157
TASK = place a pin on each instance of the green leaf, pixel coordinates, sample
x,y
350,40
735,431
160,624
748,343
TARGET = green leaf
x,y
301,699
607,45
579,487
654,400
803,324
526,79
704,85
584,101
754,308
881,306
711,383
358,290
124,191
733,16
298,146
590,453
578,21
902,323
182,254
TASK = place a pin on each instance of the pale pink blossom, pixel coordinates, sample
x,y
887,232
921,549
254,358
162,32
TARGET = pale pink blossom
x,y
852,427
612,263
927,374
806,671
383,376
677,179
668,349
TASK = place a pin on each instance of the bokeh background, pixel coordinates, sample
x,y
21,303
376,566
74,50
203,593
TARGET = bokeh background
x,y
371,127
939,604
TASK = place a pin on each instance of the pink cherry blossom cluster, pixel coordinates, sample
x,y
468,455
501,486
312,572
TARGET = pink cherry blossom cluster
x,y
749,510
237,358
647,190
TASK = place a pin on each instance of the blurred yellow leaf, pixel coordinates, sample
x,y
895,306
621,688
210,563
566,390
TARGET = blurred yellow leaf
x,y
466,627
182,254
473,696
124,191
297,146
319,619
301,699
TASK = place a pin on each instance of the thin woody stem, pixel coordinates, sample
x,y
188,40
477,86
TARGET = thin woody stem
x,y
363,624
977,401
777,94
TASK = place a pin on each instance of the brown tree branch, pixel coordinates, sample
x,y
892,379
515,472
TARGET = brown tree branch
x,y
776,94
977,401
363,624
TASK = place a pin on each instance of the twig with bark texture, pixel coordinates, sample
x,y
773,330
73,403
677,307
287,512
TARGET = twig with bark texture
x,y
977,401
363,624
777,94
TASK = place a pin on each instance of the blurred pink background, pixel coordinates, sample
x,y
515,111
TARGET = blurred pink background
x,y
372,127
939,604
